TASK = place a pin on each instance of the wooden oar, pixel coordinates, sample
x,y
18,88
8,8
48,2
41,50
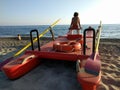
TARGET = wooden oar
x,y
93,64
28,45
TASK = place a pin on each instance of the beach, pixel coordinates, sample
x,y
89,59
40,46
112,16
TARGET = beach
x,y
61,75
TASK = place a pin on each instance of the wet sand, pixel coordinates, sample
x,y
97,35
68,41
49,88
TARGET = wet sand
x,y
61,75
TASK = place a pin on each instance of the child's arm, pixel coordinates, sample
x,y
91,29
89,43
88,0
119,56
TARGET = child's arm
x,y
79,23
71,23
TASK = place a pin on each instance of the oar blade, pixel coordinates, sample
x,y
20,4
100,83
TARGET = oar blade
x,y
5,62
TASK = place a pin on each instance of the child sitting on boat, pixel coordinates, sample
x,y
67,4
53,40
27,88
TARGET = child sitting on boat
x,y
75,23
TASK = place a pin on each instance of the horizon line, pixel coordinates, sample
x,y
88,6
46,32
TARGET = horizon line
x,y
50,24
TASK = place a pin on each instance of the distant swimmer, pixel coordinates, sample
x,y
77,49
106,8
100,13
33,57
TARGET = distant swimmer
x,y
19,37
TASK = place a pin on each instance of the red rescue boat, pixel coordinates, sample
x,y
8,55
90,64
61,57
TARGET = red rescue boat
x,y
70,47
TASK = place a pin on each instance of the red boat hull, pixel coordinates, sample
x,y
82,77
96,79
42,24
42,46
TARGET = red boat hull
x,y
15,68
88,81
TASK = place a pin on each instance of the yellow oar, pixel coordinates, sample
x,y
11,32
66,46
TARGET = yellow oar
x,y
28,45
44,32
98,40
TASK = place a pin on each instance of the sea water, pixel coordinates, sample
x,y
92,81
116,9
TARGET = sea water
x,y
108,30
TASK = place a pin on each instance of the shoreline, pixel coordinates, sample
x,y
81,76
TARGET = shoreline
x,y
109,51
24,38
28,37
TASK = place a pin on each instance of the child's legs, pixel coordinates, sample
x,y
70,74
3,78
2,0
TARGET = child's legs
x,y
74,31
71,31
78,31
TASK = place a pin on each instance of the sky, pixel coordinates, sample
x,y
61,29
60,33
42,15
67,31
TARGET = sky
x,y
45,12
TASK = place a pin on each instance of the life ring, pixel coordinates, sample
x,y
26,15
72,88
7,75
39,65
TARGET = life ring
x,y
81,42
67,46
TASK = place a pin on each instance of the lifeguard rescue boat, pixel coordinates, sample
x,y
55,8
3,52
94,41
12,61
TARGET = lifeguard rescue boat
x,y
71,47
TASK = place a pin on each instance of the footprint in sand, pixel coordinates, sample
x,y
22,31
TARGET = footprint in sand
x,y
6,51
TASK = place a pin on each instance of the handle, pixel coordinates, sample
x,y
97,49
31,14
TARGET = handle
x,y
84,45
29,57
35,30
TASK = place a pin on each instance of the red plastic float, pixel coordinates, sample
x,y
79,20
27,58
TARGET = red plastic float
x,y
20,66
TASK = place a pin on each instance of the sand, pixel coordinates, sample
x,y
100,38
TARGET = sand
x,y
61,75
110,56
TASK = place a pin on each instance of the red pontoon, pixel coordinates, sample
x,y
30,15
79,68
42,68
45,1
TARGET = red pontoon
x,y
20,66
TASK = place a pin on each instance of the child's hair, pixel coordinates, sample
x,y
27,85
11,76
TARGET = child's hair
x,y
75,14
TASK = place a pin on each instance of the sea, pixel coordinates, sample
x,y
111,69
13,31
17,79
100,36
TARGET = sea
x,y
111,31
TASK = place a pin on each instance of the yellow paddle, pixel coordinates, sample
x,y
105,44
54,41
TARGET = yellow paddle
x,y
98,40
44,32
28,45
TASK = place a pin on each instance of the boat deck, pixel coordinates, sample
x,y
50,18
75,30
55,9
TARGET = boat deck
x,y
48,52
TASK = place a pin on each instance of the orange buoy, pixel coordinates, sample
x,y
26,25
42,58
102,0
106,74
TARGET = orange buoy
x,y
66,46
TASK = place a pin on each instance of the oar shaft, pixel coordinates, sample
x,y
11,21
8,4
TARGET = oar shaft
x,y
98,39
29,44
